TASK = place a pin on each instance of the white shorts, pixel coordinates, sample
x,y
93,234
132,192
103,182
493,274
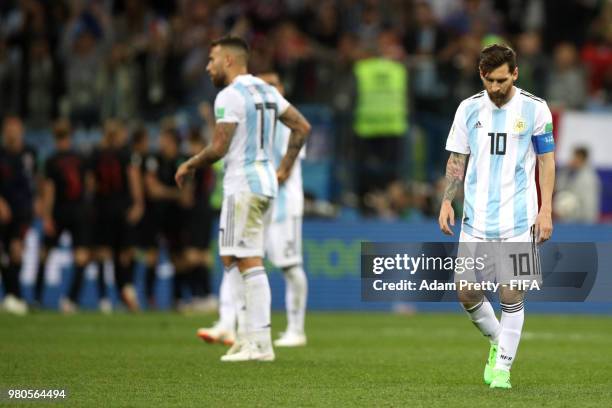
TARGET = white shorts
x,y
500,260
241,227
284,242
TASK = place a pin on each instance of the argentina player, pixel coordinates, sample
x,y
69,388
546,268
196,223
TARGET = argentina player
x,y
504,131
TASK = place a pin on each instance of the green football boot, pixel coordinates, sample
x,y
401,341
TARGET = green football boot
x,y
488,371
501,379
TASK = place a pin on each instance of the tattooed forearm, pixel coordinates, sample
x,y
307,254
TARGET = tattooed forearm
x,y
222,138
300,128
296,141
455,170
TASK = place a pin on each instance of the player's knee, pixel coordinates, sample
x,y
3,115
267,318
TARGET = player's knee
x,y
228,261
510,296
248,263
469,298
195,257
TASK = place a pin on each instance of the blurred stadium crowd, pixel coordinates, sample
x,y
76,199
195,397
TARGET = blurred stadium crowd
x,y
380,80
143,61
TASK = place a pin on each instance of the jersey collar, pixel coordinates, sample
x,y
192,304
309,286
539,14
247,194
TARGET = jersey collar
x,y
240,78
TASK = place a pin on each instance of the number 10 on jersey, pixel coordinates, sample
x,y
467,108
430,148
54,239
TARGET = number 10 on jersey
x,y
498,143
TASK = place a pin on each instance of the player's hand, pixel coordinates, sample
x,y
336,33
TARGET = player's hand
x,y
446,214
543,226
282,175
5,212
182,172
135,213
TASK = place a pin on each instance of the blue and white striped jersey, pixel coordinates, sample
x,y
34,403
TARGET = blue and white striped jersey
x,y
500,189
290,200
255,106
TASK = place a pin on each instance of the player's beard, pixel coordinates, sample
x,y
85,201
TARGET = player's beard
x,y
497,98
500,98
219,80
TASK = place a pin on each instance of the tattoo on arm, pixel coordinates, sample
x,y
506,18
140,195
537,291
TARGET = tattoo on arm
x,y
300,128
455,170
222,137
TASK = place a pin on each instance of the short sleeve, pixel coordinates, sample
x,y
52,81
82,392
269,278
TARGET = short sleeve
x,y
543,121
283,104
229,107
542,139
458,136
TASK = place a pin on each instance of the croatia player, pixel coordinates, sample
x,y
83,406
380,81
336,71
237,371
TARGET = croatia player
x,y
504,131
246,111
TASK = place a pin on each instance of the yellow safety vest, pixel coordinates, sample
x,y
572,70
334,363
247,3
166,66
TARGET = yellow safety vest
x,y
382,106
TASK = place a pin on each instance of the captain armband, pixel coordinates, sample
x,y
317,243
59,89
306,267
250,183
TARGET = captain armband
x,y
544,143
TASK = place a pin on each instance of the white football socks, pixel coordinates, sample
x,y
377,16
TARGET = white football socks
x,y
258,304
296,293
483,317
511,327
237,289
227,310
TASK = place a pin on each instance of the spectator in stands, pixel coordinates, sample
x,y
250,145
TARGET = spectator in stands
x,y
461,72
159,67
578,190
84,48
567,83
371,24
424,42
118,84
380,117
9,71
535,66
321,21
597,55
131,26
42,83
474,14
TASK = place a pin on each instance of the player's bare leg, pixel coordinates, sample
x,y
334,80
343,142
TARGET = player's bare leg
x,y
12,302
69,305
124,271
151,258
197,261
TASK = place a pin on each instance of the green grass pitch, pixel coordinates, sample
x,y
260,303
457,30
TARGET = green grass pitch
x,y
382,360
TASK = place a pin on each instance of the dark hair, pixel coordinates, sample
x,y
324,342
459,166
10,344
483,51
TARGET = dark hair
x,y
139,135
582,152
173,134
61,129
231,41
496,55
